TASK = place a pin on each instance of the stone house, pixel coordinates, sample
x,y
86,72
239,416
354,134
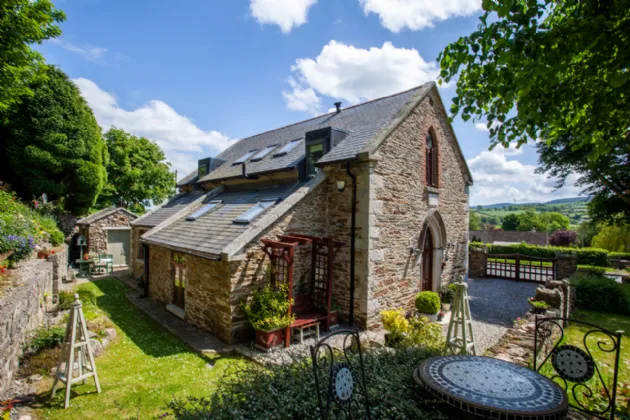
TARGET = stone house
x,y
386,177
109,232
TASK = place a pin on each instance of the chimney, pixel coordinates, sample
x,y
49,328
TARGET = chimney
x,y
338,106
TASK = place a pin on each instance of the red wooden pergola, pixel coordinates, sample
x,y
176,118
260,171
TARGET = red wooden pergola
x,y
317,305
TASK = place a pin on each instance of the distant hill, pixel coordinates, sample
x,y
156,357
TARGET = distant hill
x,y
558,201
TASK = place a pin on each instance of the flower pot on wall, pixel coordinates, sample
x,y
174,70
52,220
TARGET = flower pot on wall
x,y
266,340
446,307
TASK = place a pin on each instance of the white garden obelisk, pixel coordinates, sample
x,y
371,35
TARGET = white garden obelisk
x,y
76,348
460,318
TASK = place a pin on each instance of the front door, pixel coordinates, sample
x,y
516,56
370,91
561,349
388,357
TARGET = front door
x,y
118,244
427,262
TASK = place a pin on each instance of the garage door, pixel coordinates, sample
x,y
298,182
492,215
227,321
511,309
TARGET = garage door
x,y
118,245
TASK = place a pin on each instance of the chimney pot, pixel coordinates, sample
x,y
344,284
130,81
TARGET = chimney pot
x,y
338,106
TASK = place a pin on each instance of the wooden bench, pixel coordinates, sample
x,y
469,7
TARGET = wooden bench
x,y
304,312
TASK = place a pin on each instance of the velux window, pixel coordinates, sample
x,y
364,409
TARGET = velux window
x,y
264,152
287,148
245,157
254,212
203,210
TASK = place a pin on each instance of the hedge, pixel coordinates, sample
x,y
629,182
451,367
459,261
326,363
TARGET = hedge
x,y
585,256
598,293
620,255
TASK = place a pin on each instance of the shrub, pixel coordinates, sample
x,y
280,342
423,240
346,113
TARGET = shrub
x,y
567,238
601,294
289,392
591,256
395,323
447,293
44,338
65,300
593,269
428,303
267,309
21,246
424,334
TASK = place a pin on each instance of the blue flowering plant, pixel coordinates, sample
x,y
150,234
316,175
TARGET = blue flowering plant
x,y
20,246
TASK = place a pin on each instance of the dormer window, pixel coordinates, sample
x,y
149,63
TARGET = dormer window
x,y
431,161
317,145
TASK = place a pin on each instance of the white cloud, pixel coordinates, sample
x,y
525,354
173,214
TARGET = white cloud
x,y
301,98
287,14
88,52
483,126
500,179
397,15
182,141
354,74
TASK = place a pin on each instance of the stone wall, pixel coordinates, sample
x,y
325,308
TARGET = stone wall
x,y
559,295
160,280
59,267
398,206
97,236
566,266
491,236
21,311
477,263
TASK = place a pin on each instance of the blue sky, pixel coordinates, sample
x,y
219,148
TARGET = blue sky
x,y
197,75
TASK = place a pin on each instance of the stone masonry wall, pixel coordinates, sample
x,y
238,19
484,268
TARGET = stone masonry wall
x,y
97,239
399,204
21,311
490,236
477,263
566,266
59,267
160,282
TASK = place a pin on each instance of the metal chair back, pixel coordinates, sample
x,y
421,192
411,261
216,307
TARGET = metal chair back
x,y
573,365
340,376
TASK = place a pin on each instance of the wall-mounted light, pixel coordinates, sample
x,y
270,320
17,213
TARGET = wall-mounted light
x,y
341,185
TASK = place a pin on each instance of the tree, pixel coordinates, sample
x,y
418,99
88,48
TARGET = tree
x,y
23,23
510,222
137,171
606,178
550,70
529,220
54,145
554,221
586,231
474,221
613,238
564,237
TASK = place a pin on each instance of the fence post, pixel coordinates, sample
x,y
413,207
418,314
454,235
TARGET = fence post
x,y
517,259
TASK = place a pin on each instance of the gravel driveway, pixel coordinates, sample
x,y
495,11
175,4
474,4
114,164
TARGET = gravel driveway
x,y
495,304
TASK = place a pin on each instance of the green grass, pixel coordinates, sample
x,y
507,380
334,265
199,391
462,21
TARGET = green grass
x,y
605,361
140,371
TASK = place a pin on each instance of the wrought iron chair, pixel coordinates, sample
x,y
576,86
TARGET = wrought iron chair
x,y
573,367
340,377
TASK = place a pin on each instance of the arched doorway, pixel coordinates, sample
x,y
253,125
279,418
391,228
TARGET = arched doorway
x,y
427,262
432,242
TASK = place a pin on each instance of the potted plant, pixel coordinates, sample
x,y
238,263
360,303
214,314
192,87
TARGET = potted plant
x,y
396,325
43,254
428,304
538,306
447,295
267,310
86,256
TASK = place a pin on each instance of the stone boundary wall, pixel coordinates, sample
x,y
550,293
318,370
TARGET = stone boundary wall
x,y
22,310
59,268
491,236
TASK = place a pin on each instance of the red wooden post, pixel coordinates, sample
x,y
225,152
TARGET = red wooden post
x,y
289,277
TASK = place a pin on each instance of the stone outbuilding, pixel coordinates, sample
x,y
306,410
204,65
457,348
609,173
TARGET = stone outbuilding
x,y
386,178
108,231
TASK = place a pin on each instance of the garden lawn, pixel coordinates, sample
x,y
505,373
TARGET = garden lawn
x,y
140,371
574,335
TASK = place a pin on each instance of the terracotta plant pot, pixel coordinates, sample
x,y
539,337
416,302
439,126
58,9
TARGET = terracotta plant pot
x,y
333,318
266,340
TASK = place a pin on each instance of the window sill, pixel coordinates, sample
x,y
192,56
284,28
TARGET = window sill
x,y
140,261
433,190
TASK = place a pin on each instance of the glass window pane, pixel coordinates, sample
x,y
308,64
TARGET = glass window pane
x,y
287,148
264,152
254,212
244,157
203,210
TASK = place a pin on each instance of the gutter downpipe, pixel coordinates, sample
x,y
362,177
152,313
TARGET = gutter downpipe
x,y
353,227
146,270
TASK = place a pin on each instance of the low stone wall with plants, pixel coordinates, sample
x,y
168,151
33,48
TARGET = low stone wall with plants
x,y
22,310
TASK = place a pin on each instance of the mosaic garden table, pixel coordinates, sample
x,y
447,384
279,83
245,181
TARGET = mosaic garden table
x,y
492,388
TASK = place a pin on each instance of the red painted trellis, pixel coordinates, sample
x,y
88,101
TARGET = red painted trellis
x,y
323,253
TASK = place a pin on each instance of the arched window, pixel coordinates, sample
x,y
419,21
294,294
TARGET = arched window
x,y
432,161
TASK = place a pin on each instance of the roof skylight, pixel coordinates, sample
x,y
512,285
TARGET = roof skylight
x,y
264,152
287,148
245,157
254,212
203,210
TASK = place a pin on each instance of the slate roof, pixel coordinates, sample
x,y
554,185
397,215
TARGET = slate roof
x,y
189,179
175,204
102,214
212,232
362,122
